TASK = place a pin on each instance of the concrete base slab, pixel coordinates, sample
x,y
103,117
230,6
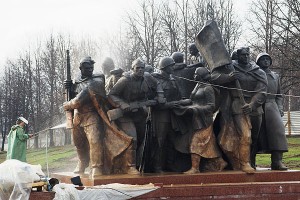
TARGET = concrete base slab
x,y
263,184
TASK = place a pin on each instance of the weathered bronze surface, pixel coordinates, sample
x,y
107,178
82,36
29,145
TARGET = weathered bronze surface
x,y
98,142
272,137
175,120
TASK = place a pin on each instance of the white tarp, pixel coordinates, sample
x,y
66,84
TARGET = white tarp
x,y
16,179
114,191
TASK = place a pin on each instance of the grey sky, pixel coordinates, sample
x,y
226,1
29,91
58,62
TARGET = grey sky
x,y
24,21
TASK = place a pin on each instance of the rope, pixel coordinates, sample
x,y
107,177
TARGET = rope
x,y
233,88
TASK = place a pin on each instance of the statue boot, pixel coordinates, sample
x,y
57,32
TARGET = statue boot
x,y
96,171
96,155
244,159
158,166
83,162
276,158
195,164
234,162
253,156
131,160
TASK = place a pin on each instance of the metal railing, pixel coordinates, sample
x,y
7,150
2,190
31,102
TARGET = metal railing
x,y
291,122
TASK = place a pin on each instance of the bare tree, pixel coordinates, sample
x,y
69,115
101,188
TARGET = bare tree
x,y
277,32
145,29
171,22
262,24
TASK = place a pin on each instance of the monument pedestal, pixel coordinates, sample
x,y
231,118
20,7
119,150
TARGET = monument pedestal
x,y
263,184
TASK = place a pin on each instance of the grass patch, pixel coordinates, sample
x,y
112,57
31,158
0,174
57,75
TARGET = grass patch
x,y
60,158
291,158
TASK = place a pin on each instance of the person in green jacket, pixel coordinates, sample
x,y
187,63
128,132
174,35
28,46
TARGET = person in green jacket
x,y
17,140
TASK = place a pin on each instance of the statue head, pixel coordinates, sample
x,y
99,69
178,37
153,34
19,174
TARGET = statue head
x,y
263,60
138,67
177,57
234,55
149,69
117,72
202,74
193,49
243,55
86,66
107,65
165,64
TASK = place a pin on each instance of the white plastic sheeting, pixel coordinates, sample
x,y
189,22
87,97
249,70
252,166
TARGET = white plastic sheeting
x,y
114,191
65,192
16,179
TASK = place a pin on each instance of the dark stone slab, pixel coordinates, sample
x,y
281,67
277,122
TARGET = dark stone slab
x,y
42,195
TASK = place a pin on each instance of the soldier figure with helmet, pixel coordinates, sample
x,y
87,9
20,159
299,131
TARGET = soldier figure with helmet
x,y
272,133
135,87
162,114
87,129
183,75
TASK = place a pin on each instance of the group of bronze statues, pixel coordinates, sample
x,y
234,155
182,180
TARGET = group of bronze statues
x,y
182,118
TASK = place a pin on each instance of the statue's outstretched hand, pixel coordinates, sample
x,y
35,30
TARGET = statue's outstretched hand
x,y
235,75
125,107
161,100
247,108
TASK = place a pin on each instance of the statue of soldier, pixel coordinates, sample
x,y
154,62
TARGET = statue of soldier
x,y
183,75
115,75
162,122
240,120
107,66
87,129
272,137
134,88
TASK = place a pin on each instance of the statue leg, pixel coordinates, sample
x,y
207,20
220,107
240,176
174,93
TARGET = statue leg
x,y
82,147
256,124
244,158
127,125
131,159
276,158
162,131
245,143
95,134
195,164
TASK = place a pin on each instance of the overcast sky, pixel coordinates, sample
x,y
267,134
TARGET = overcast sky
x,y
23,21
